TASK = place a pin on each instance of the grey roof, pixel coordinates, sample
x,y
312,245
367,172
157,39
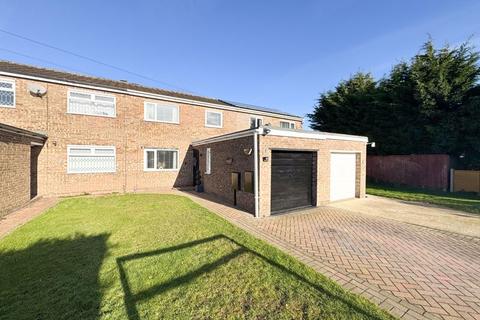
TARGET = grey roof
x,y
254,107
23,132
52,74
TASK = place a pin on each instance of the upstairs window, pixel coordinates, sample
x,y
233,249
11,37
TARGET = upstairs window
x,y
255,122
287,124
161,159
92,104
213,119
7,93
91,159
161,112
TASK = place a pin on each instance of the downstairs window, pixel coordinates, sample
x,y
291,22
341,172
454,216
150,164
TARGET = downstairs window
x,y
91,159
161,159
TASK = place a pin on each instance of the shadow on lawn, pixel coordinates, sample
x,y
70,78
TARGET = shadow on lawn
x,y
131,299
52,279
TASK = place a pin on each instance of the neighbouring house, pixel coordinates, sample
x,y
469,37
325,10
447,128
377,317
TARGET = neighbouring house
x,y
115,136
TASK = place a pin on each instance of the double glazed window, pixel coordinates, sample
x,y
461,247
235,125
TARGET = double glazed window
x,y
91,159
161,159
213,119
7,93
161,112
92,104
287,124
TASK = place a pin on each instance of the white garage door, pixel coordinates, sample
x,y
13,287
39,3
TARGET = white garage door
x,y
342,176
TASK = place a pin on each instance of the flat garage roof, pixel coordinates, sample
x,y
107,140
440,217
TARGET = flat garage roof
x,y
293,133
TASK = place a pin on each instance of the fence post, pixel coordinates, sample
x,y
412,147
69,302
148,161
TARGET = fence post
x,y
452,174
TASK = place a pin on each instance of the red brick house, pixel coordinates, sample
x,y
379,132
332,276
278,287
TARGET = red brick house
x,y
114,136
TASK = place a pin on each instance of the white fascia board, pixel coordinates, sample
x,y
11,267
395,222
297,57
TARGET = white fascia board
x,y
347,138
295,134
315,135
232,136
152,96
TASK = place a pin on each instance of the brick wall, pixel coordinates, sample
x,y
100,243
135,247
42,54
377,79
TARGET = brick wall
x,y
323,149
218,182
128,132
14,172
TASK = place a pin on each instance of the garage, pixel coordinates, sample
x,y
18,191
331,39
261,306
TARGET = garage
x,y
292,180
280,170
342,176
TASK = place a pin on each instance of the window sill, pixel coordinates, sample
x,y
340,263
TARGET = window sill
x,y
91,172
157,121
91,115
6,106
159,170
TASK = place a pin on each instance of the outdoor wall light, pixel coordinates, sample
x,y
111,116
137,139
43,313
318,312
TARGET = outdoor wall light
x,y
247,151
372,144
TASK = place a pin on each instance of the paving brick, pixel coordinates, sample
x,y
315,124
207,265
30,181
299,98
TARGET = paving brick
x,y
25,214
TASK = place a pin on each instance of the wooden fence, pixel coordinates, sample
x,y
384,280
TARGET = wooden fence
x,y
465,180
429,171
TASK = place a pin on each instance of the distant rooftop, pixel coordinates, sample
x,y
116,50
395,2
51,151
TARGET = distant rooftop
x,y
52,74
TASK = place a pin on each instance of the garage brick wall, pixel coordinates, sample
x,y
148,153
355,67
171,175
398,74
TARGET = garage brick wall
x,y
128,132
219,181
14,171
323,149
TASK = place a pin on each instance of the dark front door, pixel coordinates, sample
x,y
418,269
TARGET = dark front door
x,y
291,180
196,167
34,153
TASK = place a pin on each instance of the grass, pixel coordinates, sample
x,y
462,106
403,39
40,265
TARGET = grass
x,y
467,202
157,256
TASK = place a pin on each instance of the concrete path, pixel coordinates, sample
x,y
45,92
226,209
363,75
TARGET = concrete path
x,y
411,271
415,213
17,218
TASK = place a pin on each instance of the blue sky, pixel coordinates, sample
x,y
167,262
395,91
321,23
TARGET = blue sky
x,y
279,54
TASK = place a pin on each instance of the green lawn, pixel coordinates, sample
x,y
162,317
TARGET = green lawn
x,y
157,257
459,201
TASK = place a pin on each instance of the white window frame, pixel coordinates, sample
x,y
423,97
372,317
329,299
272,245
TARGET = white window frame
x,y
208,161
12,82
145,168
256,118
74,146
290,124
213,111
157,103
92,93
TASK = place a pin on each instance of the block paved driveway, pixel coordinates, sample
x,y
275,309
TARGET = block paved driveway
x,y
412,271
430,272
